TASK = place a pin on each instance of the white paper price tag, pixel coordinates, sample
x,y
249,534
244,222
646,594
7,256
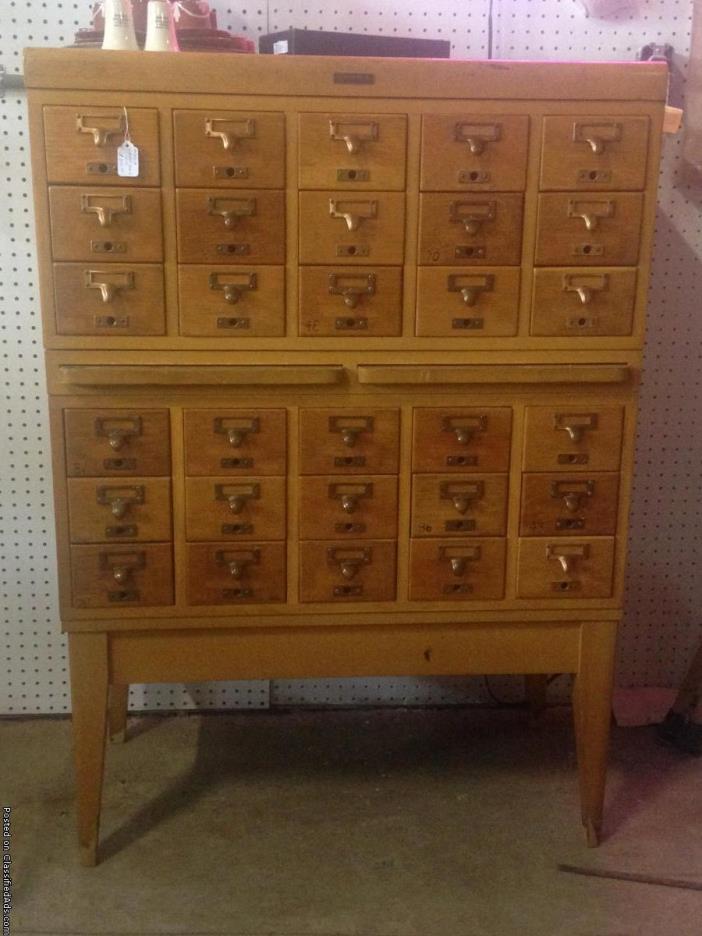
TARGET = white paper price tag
x,y
128,160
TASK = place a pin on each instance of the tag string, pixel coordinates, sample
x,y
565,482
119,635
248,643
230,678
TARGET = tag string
x,y
127,137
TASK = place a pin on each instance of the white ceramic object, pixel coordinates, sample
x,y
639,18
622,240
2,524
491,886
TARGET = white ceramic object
x,y
160,27
119,25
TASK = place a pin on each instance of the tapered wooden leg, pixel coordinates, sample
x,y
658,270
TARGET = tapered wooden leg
x,y
535,687
119,698
89,685
592,707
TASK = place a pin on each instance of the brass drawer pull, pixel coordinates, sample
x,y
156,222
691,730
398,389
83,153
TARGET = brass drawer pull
x,y
237,495
362,211
458,557
572,492
118,429
590,211
567,554
586,286
240,208
233,289
464,427
101,135
575,424
597,135
349,561
470,286
120,499
106,213
350,427
238,560
354,133
122,564
462,494
244,129
108,288
351,294
472,215
476,135
350,494
236,428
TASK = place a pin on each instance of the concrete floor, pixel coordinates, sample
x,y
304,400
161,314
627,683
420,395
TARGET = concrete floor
x,y
350,823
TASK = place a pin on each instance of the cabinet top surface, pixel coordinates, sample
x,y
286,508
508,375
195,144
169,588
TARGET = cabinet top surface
x,y
326,76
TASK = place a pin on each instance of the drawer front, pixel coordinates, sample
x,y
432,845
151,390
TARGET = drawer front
x,y
461,439
235,442
573,438
594,153
352,151
449,505
117,442
105,510
565,568
457,230
588,302
109,576
109,300
102,224
335,507
474,152
348,571
227,574
229,149
577,228
467,303
340,302
355,441
235,508
455,570
81,144
564,504
246,226
340,227
228,302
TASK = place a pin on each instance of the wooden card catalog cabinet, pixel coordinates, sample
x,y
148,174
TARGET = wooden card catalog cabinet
x,y
344,381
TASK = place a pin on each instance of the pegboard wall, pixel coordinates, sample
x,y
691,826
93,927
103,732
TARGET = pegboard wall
x,y
664,592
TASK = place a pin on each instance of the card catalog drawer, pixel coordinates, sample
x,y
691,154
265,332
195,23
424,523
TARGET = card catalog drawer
x,y
117,442
587,302
229,149
343,227
579,438
360,507
474,152
227,574
102,224
355,441
352,151
457,229
82,142
578,504
246,226
444,505
109,300
235,441
343,571
105,510
580,228
108,576
235,508
594,152
232,302
565,568
348,302
455,570
467,303
461,439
